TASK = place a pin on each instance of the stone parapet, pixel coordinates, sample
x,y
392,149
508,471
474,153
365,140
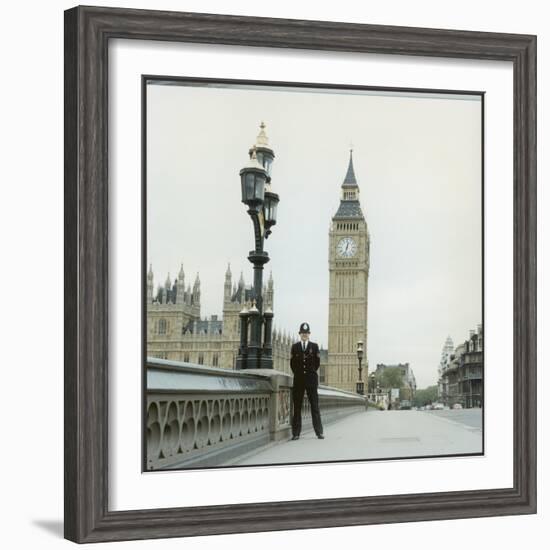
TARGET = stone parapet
x,y
201,416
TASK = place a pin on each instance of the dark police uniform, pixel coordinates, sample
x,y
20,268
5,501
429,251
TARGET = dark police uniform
x,y
304,365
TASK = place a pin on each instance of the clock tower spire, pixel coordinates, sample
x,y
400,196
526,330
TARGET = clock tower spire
x,y
349,251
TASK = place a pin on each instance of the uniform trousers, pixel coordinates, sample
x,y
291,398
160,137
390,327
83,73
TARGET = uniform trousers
x,y
297,399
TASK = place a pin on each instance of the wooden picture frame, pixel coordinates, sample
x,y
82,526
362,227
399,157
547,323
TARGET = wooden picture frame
x,y
87,33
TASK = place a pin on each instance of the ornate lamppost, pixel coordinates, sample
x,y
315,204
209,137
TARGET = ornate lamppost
x,y
262,208
360,386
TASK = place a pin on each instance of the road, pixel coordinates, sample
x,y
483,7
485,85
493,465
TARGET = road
x,y
380,435
468,417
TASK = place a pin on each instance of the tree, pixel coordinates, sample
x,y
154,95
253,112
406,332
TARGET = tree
x,y
425,396
390,377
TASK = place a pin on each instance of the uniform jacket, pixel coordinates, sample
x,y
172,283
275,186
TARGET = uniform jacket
x,y
305,365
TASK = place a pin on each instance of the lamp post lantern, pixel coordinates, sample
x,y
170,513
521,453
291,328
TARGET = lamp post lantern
x,y
257,195
271,200
360,386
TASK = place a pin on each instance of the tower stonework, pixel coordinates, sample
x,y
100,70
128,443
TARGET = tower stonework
x,y
172,308
349,256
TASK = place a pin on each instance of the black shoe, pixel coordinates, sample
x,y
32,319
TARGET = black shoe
x,y
320,436
294,437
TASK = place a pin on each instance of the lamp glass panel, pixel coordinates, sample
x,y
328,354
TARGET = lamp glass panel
x,y
268,207
273,211
259,186
266,162
243,187
249,188
271,207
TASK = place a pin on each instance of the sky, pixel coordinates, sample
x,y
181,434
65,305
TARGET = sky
x,y
417,160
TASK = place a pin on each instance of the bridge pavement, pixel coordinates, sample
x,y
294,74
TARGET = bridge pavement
x,y
377,435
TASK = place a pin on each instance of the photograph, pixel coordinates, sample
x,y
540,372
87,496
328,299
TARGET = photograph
x,y
312,273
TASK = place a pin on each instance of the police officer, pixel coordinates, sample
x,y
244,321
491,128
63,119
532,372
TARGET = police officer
x,y
305,360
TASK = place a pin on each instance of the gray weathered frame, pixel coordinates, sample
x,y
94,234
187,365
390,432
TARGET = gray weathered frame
x,y
87,33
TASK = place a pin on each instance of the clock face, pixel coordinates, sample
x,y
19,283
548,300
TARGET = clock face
x,y
346,247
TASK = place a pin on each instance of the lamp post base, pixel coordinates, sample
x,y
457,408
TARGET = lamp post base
x,y
266,362
253,362
241,362
247,362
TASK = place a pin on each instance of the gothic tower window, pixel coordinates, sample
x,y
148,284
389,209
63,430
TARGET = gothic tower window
x,y
162,326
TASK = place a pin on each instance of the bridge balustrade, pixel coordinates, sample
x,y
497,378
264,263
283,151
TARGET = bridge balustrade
x,y
198,416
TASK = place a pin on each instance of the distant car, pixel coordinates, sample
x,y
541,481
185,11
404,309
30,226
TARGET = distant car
x,y
421,408
457,406
438,406
427,407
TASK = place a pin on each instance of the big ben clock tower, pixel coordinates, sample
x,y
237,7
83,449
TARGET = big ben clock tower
x,y
349,243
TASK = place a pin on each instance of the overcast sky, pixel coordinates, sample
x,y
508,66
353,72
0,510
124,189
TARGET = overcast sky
x,y
418,165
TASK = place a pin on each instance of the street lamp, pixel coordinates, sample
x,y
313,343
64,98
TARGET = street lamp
x,y
360,386
372,384
262,203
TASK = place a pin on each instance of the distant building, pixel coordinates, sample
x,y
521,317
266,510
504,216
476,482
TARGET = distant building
x,y
462,374
446,353
176,330
408,390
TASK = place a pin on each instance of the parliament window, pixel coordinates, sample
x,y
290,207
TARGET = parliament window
x,y
162,326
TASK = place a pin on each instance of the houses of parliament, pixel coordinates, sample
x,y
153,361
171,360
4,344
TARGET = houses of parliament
x,y
176,330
